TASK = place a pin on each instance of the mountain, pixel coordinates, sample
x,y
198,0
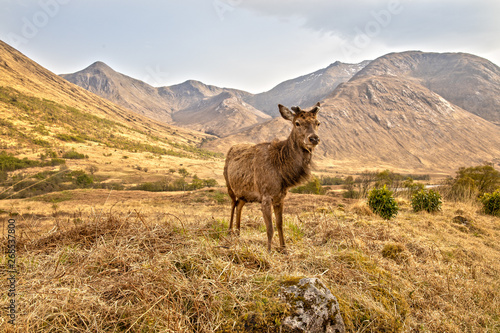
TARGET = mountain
x,y
305,90
191,104
220,115
390,119
44,112
471,82
123,90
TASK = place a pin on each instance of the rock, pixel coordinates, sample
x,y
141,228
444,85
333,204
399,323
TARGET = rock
x,y
461,220
314,308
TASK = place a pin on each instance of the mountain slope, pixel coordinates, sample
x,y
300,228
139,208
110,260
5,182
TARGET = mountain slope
x,y
194,104
123,90
471,82
220,115
41,110
390,122
305,90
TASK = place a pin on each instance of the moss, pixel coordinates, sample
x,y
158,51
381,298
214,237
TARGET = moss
x,y
291,280
264,315
393,251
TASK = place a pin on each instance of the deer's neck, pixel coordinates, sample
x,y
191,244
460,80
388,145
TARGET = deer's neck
x,y
292,161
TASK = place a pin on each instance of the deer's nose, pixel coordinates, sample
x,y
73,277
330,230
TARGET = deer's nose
x,y
314,139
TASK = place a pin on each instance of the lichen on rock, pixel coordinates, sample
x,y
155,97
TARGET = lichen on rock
x,y
314,308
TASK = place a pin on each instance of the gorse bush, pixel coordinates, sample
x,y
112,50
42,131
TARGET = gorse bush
x,y
382,202
491,203
428,200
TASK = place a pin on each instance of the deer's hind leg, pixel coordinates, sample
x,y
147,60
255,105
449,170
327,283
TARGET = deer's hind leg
x,y
239,207
233,206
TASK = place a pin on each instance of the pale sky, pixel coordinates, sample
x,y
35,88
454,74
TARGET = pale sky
x,y
245,44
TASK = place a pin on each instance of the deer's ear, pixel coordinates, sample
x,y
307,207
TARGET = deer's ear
x,y
316,108
285,112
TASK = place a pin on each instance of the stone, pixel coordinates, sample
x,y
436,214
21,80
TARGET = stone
x,y
461,220
314,308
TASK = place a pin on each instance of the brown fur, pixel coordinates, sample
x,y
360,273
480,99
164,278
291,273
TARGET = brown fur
x,y
264,172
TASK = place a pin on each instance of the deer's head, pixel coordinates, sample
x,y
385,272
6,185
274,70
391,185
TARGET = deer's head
x,y
305,125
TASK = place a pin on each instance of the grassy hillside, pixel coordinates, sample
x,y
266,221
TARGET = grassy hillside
x,y
103,260
51,137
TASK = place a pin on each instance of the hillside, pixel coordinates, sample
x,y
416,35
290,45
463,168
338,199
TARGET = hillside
x,y
123,90
382,121
63,129
305,90
220,115
466,80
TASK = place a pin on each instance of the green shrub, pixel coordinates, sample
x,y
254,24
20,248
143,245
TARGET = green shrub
x,y
312,187
428,200
70,138
9,162
491,203
327,180
56,161
41,142
381,202
84,180
349,186
472,182
73,155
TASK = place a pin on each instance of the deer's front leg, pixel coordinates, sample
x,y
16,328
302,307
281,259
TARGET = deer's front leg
x,y
278,212
268,219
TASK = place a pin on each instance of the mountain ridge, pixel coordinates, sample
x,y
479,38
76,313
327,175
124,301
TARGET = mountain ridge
x,y
307,89
387,113
464,79
161,103
389,118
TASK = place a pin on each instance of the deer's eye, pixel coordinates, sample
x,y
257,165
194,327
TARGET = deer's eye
x,y
297,124
318,123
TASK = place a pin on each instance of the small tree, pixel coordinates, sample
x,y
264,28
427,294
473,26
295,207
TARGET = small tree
x,y
491,203
381,202
472,182
428,200
183,172
349,187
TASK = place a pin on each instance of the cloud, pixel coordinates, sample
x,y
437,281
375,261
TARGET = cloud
x,y
448,23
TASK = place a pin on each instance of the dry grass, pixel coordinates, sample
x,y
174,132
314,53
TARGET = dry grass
x,y
133,262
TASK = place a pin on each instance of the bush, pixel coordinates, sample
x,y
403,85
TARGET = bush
x,y
349,186
84,180
326,180
312,187
9,162
381,202
473,182
74,155
491,203
428,200
70,138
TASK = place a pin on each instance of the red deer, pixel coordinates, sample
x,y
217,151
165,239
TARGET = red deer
x,y
264,172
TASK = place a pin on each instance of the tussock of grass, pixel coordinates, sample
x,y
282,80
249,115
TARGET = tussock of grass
x,y
120,270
